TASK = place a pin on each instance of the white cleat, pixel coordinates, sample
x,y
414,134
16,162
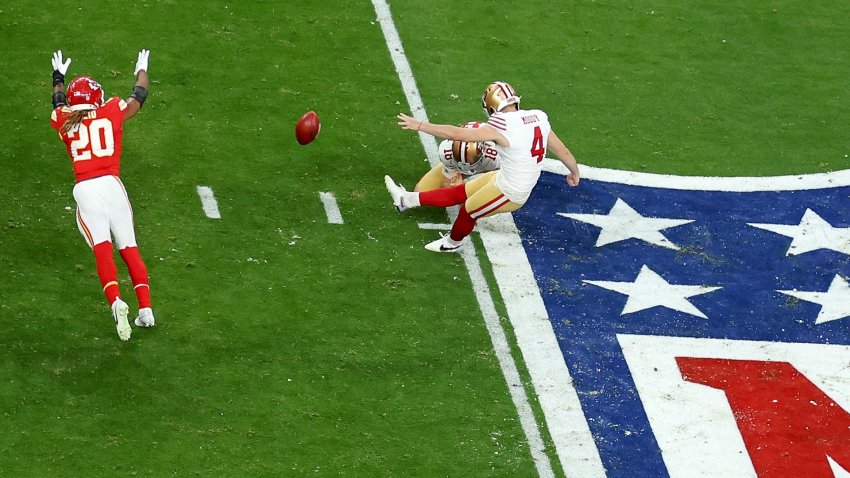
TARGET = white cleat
x,y
442,245
120,311
145,318
397,192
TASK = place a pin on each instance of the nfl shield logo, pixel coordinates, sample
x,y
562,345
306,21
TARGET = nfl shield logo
x,y
704,323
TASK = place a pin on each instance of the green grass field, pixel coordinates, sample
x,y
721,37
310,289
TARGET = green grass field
x,y
287,346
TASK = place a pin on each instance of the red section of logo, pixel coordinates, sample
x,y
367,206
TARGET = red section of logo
x,y
788,424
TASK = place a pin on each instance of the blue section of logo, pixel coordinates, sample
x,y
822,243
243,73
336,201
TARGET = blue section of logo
x,y
717,249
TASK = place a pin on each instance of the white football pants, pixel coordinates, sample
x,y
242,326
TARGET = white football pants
x,y
104,212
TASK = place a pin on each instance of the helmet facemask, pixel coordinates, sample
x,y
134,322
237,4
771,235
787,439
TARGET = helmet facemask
x,y
467,155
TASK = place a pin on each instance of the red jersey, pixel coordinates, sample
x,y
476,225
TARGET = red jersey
x,y
95,145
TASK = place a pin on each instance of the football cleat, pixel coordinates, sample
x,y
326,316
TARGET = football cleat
x,y
120,311
84,94
497,95
442,245
145,318
397,192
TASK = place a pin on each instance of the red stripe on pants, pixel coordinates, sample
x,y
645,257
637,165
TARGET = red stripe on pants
x,y
477,211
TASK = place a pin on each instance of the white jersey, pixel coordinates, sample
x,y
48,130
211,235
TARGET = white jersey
x,y
451,166
527,132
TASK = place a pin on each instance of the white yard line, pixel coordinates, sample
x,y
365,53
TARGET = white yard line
x,y
331,207
208,202
482,291
541,352
405,74
503,351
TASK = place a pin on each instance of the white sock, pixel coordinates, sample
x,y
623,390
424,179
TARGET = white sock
x,y
411,199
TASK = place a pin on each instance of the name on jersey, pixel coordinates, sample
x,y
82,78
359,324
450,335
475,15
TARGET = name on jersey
x,y
529,119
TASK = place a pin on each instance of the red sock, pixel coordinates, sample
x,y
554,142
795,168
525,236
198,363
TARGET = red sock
x,y
106,270
463,225
138,274
443,197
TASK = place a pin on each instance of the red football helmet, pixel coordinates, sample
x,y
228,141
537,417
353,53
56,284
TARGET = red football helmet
x,y
84,94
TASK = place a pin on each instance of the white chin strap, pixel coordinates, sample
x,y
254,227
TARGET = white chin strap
x,y
83,107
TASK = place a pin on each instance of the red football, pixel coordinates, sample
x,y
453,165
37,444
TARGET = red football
x,y
307,127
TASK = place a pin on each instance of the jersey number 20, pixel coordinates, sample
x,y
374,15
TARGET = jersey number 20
x,y
537,148
96,139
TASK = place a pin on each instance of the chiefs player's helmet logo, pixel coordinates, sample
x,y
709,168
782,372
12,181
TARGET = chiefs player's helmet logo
x,y
84,94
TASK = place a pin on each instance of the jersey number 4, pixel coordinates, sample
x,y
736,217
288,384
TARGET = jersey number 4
x,y
96,139
537,148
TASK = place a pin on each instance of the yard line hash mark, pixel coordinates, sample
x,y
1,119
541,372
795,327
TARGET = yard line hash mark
x,y
208,202
435,227
331,207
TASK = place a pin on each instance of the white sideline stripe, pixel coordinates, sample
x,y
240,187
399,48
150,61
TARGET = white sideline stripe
x,y
708,183
502,350
552,381
498,337
331,207
506,360
405,74
208,202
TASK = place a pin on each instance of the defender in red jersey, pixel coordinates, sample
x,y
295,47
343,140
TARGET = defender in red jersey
x,y
92,130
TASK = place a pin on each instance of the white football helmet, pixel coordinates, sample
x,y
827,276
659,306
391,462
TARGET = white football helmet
x,y
498,95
